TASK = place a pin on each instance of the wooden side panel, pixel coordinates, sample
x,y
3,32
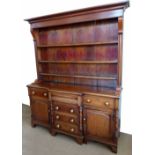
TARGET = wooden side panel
x,y
120,47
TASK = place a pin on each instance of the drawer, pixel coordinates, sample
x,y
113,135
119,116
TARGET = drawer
x,y
65,108
64,95
73,129
99,101
38,92
72,119
64,100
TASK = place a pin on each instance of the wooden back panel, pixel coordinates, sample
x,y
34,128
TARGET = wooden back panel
x,y
79,54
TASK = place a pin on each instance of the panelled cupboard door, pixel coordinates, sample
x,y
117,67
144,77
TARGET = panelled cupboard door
x,y
98,124
39,111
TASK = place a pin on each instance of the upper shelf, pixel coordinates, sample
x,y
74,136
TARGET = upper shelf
x,y
79,44
80,62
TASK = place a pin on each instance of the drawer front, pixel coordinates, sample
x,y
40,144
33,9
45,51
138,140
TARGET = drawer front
x,y
73,129
37,92
72,119
65,108
99,101
64,95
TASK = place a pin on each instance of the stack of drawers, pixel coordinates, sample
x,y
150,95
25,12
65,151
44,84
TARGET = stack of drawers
x,y
66,115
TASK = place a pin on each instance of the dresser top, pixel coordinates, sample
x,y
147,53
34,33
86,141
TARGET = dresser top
x,y
77,89
82,15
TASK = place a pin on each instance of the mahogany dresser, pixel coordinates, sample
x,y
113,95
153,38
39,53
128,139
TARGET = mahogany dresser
x,y
79,72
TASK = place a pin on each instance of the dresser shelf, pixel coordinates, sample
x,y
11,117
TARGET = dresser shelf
x,y
79,62
83,77
78,44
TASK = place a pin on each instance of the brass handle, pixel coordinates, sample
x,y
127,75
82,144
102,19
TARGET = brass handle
x,y
72,120
57,116
72,130
56,108
33,92
107,103
58,126
88,100
72,111
45,94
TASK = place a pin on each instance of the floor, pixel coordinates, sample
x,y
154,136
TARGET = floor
x,y
38,141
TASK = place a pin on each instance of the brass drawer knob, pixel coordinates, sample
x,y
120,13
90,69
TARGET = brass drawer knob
x,y
72,111
45,94
72,120
57,117
56,108
88,100
33,92
84,119
58,126
107,104
72,130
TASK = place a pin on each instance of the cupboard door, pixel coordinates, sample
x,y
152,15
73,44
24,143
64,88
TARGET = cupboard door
x,y
39,111
98,124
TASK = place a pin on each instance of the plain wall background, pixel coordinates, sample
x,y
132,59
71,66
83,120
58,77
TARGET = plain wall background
x,y
17,68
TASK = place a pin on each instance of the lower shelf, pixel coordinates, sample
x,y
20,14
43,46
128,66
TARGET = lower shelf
x,y
80,76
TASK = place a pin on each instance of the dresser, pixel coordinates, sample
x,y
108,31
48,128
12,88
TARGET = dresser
x,y
79,73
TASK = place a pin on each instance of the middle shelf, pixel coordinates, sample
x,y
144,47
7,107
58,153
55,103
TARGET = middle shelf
x,y
80,62
115,42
